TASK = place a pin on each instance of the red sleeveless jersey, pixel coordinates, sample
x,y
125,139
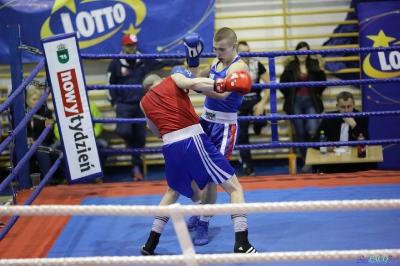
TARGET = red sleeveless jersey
x,y
169,107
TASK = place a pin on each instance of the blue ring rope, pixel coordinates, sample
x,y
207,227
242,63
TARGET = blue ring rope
x,y
267,118
22,87
248,54
32,197
271,145
266,86
24,121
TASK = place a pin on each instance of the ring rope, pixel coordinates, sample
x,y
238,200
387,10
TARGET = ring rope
x,y
24,121
208,259
144,210
268,85
13,133
177,209
32,197
22,87
25,159
270,117
244,54
270,145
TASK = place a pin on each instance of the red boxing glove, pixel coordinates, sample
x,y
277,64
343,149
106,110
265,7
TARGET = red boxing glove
x,y
239,81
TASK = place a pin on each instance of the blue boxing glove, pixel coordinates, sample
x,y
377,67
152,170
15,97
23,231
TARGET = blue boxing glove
x,y
183,71
194,46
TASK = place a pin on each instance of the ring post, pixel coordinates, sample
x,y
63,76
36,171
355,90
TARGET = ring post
x,y
21,148
272,98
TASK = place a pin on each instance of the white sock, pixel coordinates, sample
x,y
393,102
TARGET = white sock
x,y
205,218
239,222
197,203
159,223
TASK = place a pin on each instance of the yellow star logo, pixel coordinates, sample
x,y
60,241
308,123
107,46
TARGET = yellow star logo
x,y
381,39
131,30
60,3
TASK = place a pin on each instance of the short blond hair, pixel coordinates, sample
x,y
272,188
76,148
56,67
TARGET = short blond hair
x,y
33,91
225,34
149,80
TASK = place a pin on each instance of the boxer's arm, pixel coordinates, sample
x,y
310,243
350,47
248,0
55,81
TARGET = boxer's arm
x,y
196,84
151,125
183,71
153,128
239,65
204,73
215,95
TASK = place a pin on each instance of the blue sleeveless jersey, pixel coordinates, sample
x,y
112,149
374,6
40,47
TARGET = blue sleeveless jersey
x,y
232,103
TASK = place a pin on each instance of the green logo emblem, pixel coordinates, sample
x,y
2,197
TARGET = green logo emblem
x,y
62,54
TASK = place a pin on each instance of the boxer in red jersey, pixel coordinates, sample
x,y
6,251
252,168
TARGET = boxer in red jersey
x,y
188,152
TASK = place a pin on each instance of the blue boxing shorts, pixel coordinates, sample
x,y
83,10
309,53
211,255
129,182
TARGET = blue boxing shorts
x,y
190,155
223,135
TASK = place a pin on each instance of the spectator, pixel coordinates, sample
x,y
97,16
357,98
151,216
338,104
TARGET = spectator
x,y
344,129
100,143
35,128
303,100
252,105
126,102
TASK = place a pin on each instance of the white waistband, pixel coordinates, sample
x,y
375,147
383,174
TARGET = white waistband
x,y
182,134
219,117
251,94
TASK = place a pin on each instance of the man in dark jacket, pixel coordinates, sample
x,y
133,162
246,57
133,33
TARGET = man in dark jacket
x,y
126,102
343,129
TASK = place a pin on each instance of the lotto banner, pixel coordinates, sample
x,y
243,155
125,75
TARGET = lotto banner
x,y
378,27
74,120
100,25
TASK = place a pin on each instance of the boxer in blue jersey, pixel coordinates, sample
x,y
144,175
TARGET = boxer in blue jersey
x,y
219,117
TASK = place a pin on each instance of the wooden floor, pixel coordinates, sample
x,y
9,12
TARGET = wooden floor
x,y
33,237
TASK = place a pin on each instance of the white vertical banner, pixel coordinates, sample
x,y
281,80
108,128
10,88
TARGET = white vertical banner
x,y
71,105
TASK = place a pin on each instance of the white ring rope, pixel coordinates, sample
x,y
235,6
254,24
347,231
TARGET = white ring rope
x,y
143,210
210,259
189,257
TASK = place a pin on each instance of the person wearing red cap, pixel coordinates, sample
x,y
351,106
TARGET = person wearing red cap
x,y
129,42
126,102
